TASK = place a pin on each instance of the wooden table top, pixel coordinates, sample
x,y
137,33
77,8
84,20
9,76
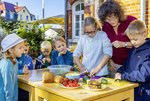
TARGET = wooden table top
x,y
76,94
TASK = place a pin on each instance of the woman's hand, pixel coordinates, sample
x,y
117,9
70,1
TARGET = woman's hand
x,y
111,64
118,44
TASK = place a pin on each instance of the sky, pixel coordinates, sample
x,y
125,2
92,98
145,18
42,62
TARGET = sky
x,y
52,7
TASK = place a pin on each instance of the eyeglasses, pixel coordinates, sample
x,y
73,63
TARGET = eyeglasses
x,y
91,32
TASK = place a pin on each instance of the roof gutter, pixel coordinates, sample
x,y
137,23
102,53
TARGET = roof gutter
x,y
143,9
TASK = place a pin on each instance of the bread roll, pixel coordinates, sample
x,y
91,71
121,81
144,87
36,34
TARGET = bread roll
x,y
58,79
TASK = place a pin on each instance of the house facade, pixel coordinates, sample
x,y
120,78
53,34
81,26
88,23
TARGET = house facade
x,y
24,14
8,11
15,13
77,10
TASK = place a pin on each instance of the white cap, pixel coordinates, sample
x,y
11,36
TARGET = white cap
x,y
10,41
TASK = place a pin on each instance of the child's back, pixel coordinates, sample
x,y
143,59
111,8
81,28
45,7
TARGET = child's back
x,y
8,76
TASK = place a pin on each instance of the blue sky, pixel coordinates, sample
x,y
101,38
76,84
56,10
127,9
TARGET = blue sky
x,y
52,7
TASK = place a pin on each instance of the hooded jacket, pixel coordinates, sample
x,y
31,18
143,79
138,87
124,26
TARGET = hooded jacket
x,y
137,69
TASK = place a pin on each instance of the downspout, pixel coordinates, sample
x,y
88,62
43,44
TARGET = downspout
x,y
66,36
143,9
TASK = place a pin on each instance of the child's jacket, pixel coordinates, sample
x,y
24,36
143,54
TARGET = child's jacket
x,y
65,59
39,63
137,69
24,60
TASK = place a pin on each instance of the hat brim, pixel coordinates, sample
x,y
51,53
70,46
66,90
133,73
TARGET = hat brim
x,y
22,40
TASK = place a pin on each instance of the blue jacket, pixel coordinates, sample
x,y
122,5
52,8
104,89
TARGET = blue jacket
x,y
24,60
65,59
8,81
137,69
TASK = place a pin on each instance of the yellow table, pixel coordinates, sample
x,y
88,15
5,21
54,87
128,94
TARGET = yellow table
x,y
27,82
27,86
53,92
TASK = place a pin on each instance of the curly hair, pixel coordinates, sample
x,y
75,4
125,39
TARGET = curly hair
x,y
110,7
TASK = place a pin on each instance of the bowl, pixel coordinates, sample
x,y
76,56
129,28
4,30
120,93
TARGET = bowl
x,y
73,75
59,69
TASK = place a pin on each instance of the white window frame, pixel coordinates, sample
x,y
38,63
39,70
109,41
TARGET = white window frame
x,y
74,13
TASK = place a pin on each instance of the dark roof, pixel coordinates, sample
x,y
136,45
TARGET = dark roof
x,y
9,6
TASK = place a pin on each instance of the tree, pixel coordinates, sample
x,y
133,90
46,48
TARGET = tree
x,y
33,34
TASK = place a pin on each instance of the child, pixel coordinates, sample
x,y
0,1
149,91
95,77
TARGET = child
x,y
25,61
8,69
43,61
95,47
137,67
60,54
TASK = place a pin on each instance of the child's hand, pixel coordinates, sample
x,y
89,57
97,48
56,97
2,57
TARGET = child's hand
x,y
61,53
48,60
25,70
118,76
94,71
82,69
43,60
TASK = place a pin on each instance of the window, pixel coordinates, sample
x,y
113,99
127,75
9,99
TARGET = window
x,y
20,16
78,19
26,18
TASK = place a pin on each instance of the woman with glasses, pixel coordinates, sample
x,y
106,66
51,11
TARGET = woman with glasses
x,y
114,23
96,49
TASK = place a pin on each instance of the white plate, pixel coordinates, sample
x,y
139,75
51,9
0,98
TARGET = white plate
x,y
85,86
62,86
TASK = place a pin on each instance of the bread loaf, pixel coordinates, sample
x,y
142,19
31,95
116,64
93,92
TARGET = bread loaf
x,y
47,77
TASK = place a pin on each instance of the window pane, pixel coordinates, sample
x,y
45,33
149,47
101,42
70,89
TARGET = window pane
x,y
82,6
78,7
77,25
77,32
82,17
77,18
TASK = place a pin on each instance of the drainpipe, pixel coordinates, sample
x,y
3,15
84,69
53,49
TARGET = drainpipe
x,y
143,9
66,36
